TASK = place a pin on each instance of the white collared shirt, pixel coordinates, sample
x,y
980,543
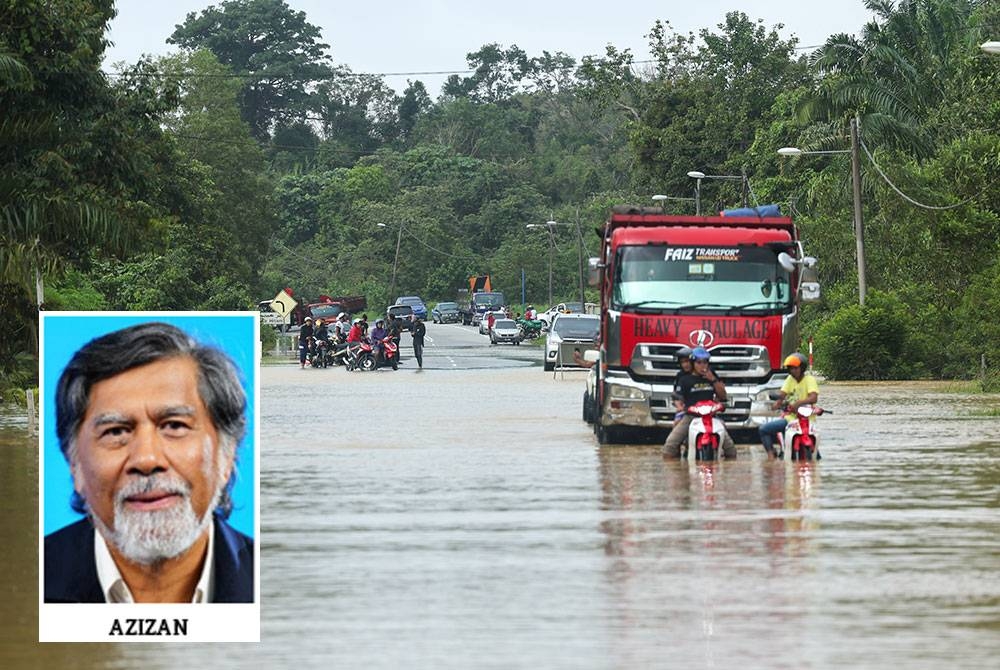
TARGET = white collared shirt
x,y
116,590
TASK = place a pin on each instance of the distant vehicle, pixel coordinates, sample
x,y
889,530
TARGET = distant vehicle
x,y
329,309
414,301
548,315
569,332
404,312
505,330
480,303
445,312
483,327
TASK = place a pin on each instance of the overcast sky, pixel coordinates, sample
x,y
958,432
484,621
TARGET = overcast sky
x,y
419,36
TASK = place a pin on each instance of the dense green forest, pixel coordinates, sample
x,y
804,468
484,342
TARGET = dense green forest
x,y
251,161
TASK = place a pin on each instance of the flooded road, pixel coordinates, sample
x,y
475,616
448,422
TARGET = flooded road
x,y
464,516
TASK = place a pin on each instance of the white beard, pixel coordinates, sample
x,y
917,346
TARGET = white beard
x,y
150,537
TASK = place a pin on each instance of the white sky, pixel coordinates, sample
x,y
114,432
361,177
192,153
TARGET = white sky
x,y
435,35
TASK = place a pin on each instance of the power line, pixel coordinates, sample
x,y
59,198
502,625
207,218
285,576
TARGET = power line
x,y
906,197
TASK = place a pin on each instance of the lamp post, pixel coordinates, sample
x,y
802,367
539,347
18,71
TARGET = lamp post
x,y
551,226
859,227
663,198
698,176
395,260
552,249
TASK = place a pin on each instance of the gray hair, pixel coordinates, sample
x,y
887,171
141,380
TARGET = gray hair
x,y
117,352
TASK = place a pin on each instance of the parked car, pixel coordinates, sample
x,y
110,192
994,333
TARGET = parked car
x,y
445,312
569,332
414,301
505,330
483,322
404,312
548,315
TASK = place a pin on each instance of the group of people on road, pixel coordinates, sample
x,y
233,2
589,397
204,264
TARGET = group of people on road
x,y
348,334
697,381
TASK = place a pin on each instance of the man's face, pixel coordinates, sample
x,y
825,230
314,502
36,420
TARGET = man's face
x,y
795,371
148,461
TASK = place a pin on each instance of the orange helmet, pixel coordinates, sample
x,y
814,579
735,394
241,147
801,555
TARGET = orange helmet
x,y
795,360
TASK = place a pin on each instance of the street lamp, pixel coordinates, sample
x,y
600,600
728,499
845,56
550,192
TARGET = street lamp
x,y
395,261
859,227
698,176
991,47
550,226
552,249
663,198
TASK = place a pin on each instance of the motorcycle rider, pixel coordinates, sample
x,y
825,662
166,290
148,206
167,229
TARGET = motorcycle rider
x,y
529,312
305,340
356,333
801,387
378,334
683,356
322,336
700,384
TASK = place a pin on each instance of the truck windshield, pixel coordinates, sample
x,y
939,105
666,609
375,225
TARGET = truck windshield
x,y
734,279
487,299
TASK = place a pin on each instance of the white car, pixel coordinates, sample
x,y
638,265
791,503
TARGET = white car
x,y
549,315
484,322
569,332
505,330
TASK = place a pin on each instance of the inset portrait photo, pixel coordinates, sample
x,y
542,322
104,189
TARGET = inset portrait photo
x,y
149,476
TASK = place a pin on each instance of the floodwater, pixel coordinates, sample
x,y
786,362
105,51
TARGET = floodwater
x,y
457,518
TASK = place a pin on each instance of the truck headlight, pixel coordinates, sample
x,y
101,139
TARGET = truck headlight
x,y
626,393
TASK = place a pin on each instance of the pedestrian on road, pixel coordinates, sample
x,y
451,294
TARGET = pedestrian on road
x,y
419,330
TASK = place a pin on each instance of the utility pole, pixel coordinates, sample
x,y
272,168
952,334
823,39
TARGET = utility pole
x,y
395,262
859,227
579,234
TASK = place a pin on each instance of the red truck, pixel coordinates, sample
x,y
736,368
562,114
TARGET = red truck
x,y
731,283
328,308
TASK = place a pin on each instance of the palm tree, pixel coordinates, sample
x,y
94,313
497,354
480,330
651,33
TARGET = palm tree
x,y
894,74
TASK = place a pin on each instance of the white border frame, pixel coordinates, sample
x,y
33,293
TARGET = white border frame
x,y
212,622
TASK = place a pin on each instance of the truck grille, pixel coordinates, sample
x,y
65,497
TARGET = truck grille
x,y
656,363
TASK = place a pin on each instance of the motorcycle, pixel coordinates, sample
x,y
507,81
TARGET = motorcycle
x,y
322,354
529,328
363,356
800,437
706,432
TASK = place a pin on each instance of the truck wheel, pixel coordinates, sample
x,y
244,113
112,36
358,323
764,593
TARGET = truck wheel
x,y
587,410
609,434
549,367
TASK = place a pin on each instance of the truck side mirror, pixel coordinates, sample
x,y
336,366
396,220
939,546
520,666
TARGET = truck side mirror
x,y
594,271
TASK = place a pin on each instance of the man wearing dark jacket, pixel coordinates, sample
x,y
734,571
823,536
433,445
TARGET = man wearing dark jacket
x,y
149,421
419,331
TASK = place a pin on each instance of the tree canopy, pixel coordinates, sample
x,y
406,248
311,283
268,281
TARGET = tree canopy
x,y
250,162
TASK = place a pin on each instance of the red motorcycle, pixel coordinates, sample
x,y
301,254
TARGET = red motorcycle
x,y
800,435
363,356
706,431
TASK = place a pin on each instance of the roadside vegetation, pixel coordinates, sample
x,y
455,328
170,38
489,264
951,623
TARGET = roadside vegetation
x,y
213,178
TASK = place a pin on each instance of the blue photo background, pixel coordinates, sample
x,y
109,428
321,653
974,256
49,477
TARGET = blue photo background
x,y
64,334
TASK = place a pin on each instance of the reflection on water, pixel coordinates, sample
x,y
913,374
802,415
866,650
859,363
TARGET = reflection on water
x,y
464,519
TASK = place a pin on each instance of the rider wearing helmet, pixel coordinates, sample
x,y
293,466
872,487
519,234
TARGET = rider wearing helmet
x,y
801,387
305,340
378,334
700,384
356,332
529,312
683,356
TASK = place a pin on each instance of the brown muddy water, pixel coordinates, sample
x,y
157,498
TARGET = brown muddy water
x,y
468,519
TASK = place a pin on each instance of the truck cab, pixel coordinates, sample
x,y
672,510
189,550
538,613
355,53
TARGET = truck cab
x,y
730,284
